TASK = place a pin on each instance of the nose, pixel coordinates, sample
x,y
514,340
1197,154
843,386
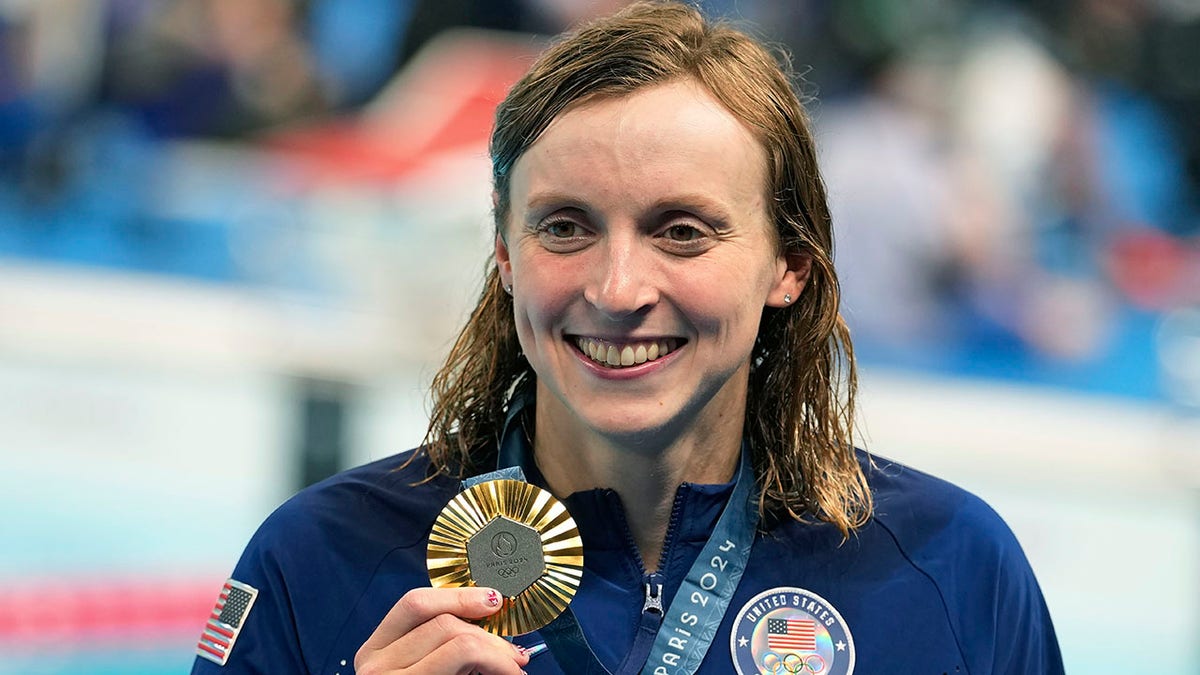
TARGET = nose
x,y
621,282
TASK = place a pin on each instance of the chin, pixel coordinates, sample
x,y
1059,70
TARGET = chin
x,y
633,429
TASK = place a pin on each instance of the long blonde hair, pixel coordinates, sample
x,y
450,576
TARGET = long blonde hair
x,y
800,407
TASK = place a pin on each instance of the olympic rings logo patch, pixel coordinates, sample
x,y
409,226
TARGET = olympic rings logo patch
x,y
792,663
791,631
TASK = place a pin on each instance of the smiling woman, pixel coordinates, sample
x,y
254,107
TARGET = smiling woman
x,y
613,240
658,345
702,123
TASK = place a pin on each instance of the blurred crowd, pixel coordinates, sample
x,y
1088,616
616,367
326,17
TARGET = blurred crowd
x,y
1015,183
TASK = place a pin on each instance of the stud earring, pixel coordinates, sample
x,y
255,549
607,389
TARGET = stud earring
x,y
508,289
787,298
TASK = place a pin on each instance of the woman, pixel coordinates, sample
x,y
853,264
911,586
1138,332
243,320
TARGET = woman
x,y
659,346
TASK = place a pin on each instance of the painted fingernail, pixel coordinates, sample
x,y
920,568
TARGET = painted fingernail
x,y
535,650
493,598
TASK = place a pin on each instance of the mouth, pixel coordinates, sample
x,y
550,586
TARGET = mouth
x,y
616,355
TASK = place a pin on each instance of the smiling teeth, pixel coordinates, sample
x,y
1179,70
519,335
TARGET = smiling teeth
x,y
631,354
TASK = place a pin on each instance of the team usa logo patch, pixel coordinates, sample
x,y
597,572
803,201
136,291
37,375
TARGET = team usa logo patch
x,y
791,631
225,623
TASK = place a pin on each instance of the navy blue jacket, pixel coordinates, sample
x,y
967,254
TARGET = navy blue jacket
x,y
934,584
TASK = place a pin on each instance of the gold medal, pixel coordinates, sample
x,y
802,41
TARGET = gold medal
x,y
516,538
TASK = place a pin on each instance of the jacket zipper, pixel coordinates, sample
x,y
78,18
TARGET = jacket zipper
x,y
652,604
648,624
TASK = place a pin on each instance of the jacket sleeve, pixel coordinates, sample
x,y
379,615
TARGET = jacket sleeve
x,y
1025,642
267,641
994,598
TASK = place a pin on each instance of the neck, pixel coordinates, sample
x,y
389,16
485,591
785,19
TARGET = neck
x,y
644,471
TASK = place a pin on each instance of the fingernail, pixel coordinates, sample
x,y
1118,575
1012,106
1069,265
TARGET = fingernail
x,y
493,598
534,650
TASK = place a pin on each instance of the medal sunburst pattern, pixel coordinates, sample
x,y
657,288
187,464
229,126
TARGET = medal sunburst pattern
x,y
530,505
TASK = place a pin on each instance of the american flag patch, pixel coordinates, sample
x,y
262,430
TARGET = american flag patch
x,y
223,627
793,635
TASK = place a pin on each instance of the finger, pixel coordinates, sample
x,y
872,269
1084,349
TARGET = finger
x,y
443,629
464,655
422,604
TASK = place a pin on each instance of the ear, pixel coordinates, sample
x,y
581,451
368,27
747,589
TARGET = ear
x,y
503,260
794,269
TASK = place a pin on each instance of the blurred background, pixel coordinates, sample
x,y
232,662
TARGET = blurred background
x,y
237,236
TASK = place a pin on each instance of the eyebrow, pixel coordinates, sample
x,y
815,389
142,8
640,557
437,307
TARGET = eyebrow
x,y
703,205
542,203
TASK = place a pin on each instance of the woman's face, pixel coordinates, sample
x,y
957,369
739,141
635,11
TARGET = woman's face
x,y
641,256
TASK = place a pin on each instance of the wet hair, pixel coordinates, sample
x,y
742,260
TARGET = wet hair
x,y
800,407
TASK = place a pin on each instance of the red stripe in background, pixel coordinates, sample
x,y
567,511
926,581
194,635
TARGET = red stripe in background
x,y
37,612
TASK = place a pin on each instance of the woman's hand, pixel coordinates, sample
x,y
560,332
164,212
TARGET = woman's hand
x,y
425,633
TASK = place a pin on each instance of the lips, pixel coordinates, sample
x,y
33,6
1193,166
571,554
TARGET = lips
x,y
612,354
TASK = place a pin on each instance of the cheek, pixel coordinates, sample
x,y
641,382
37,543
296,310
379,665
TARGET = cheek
x,y
727,314
741,315
542,293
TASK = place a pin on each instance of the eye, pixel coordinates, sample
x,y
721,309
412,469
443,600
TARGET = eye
x,y
561,229
686,237
563,235
682,233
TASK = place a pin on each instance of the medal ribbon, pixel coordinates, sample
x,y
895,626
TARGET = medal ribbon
x,y
691,621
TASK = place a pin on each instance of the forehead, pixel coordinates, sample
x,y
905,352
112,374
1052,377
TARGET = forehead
x,y
655,140
682,105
